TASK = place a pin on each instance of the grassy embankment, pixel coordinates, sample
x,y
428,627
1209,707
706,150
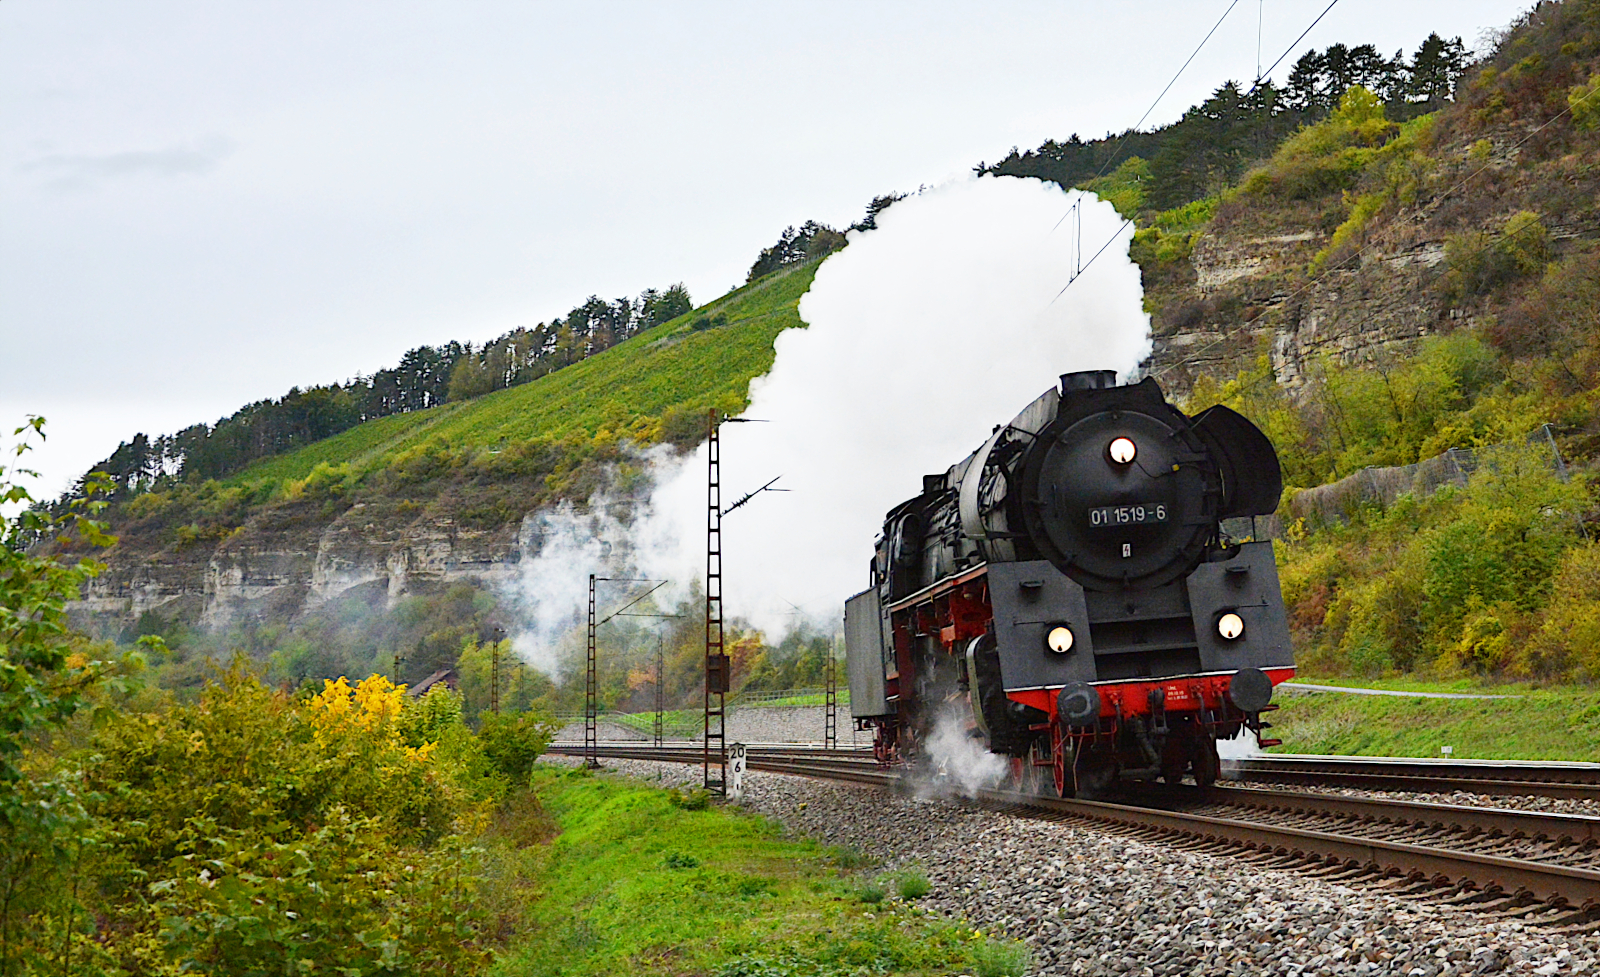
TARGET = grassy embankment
x,y
1542,723
646,881
626,389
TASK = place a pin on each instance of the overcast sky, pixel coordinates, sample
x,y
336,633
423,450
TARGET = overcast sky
x,y
203,204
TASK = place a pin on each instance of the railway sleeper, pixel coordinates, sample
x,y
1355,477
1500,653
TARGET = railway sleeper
x,y
1591,925
1468,896
1561,914
1517,905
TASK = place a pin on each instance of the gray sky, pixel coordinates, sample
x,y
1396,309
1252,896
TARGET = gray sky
x,y
203,204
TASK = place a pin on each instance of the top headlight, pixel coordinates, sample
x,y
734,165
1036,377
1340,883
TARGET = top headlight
x,y
1230,626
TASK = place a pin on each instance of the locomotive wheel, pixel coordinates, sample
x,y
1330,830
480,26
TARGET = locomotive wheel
x,y
1020,773
1027,776
1176,754
1189,746
1094,772
886,746
1060,746
1206,763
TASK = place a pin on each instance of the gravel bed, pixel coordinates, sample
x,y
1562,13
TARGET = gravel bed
x,y
1552,805
1098,904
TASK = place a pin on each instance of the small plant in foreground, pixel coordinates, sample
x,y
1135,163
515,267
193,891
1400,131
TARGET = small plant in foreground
x,y
1001,958
695,800
870,893
677,859
913,885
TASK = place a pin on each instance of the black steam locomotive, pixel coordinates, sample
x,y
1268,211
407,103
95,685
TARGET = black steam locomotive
x,y
1067,592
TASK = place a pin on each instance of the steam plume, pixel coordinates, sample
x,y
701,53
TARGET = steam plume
x,y
923,335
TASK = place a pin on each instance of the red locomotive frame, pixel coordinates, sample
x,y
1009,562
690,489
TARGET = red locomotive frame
x,y
957,610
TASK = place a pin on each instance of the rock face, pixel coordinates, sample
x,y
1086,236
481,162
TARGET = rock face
x,y
289,561
1249,296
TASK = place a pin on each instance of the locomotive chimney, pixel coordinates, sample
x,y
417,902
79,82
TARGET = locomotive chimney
x,y
1088,380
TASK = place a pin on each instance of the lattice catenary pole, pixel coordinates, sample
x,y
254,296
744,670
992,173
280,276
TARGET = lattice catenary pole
x,y
830,726
591,709
715,742
660,691
494,676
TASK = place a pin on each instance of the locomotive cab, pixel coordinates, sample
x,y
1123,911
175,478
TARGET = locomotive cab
x,y
1071,584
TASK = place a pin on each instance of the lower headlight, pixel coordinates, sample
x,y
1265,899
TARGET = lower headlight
x,y
1230,626
1059,639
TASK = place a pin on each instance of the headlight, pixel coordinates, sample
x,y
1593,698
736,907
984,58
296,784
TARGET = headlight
x,y
1059,639
1230,626
1121,451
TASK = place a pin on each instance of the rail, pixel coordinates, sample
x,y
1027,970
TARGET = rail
x,y
1500,778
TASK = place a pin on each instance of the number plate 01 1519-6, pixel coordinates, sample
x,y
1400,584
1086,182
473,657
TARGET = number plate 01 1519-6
x,y
1128,515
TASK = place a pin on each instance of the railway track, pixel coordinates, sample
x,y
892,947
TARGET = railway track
x,y
1537,866
1500,778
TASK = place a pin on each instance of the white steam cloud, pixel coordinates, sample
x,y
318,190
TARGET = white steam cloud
x,y
957,760
923,335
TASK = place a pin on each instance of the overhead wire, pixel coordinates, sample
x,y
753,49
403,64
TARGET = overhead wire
x,y
1129,220
1294,44
632,602
1135,128
1261,16
1192,55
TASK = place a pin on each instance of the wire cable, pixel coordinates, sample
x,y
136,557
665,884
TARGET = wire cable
x,y
1115,234
1291,47
631,603
1101,172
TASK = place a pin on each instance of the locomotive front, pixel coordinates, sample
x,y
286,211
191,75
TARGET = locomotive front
x,y
1068,592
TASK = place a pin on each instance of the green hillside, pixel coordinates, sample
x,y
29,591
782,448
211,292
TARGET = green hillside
x,y
639,387
474,467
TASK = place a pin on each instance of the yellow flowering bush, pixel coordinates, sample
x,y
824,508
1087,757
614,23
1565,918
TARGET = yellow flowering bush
x,y
261,834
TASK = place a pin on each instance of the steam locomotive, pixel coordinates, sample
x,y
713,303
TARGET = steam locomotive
x,y
1068,594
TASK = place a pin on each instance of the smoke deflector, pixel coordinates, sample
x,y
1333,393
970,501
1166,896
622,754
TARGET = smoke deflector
x,y
1252,481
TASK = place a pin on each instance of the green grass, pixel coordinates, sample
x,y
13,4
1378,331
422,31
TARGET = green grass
x,y
1545,724
814,699
635,381
1468,684
363,443
674,722
634,884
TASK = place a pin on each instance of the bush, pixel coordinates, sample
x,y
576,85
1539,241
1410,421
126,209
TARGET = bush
x,y
1001,958
1123,187
324,482
702,323
1481,262
1558,319
697,799
1584,101
268,831
913,885
427,719
48,675
513,742
330,899
870,893
1569,637
1327,157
